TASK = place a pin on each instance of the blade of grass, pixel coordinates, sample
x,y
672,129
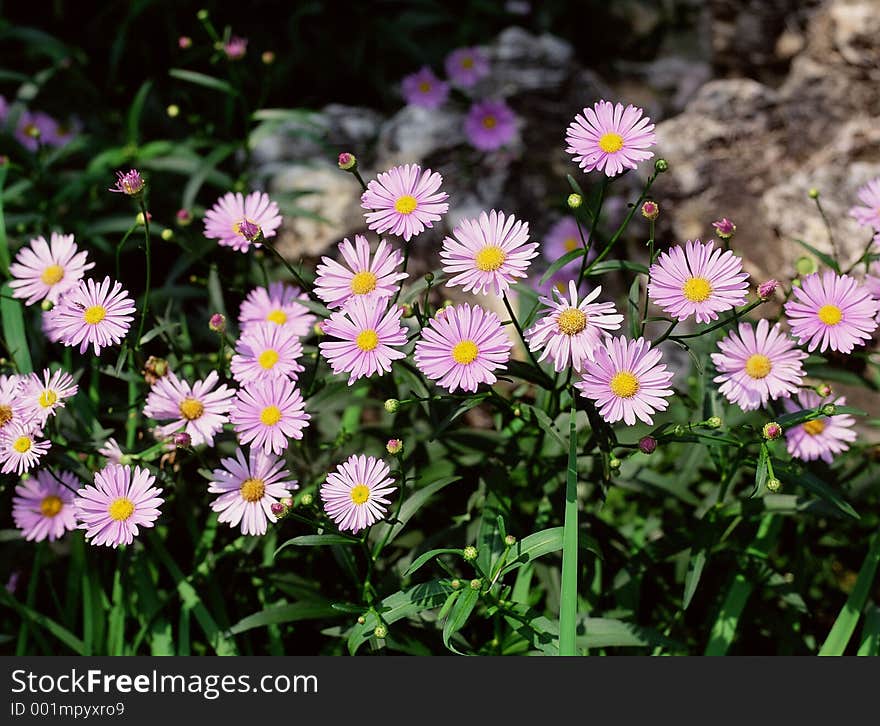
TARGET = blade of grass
x,y
870,644
845,624
29,615
568,595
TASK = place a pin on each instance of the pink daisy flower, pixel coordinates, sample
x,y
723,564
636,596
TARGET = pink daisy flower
x,y
626,380
93,314
697,280
45,271
42,397
248,488
237,221
12,407
488,253
489,125
463,348
831,311
424,89
823,437
200,409
367,330
868,215
562,238
266,351
360,276
279,305
569,330
268,413
404,201
467,66
610,138
21,447
355,495
42,507
121,500
757,364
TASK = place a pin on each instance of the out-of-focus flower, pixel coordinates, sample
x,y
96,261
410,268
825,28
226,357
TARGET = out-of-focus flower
x,y
465,67
424,89
489,125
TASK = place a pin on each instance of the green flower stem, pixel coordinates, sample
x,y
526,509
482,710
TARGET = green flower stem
x,y
548,381
121,245
405,264
568,595
149,274
834,252
293,271
648,280
596,212
357,175
720,324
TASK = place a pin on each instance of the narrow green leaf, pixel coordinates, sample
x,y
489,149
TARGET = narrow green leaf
x,y
318,540
546,424
612,633
426,557
798,417
692,578
762,473
37,618
201,79
562,262
870,644
414,502
827,259
810,481
845,624
633,307
287,613
606,266
136,111
12,317
4,240
459,615
568,595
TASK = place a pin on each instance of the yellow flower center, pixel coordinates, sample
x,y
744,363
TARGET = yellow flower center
x,y
270,415
5,415
465,352
367,340
697,289
95,314
359,493
120,509
611,142
489,122
814,427
51,505
406,204
363,282
467,62
424,86
252,490
279,317
52,274
191,409
571,244
268,358
571,321
48,398
624,384
22,444
489,258
830,314
758,366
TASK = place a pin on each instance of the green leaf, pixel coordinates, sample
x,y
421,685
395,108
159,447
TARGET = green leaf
x,y
762,473
413,503
814,484
568,595
612,633
562,262
12,317
136,110
288,613
37,618
402,604
798,417
543,543
633,307
606,266
527,372
845,624
459,615
318,540
201,79
546,424
4,240
827,259
426,557
870,644
692,578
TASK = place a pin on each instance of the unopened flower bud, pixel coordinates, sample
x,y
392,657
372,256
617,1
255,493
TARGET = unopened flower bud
x,y
614,463
380,631
429,277
184,217
724,228
347,161
766,289
510,540
130,182
469,553
661,165
771,431
650,210
713,422
394,446
287,502
647,444
773,484
574,201
361,620
46,305
217,323
455,584
182,440
306,499
277,509
202,15
813,193
184,42
268,57
406,310
173,110
476,584
392,405
823,389
517,411
828,409
126,459
140,218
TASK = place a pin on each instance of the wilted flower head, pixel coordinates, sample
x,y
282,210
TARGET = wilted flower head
x,y
130,182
